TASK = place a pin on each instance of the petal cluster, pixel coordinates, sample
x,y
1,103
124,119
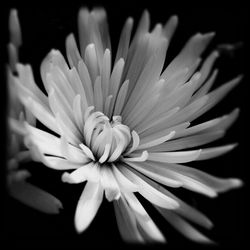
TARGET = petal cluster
x,y
125,127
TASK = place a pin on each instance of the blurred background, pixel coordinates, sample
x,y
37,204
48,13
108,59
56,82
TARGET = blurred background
x,y
45,27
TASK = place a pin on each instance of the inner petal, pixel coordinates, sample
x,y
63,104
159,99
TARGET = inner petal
x,y
106,138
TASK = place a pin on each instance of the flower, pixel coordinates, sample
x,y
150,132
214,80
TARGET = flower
x,y
18,151
127,129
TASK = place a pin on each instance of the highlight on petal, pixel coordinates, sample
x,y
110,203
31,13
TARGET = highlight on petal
x,y
150,193
88,205
109,184
174,157
146,224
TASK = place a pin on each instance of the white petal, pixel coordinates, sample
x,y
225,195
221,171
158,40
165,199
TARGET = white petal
x,y
188,142
59,163
195,179
216,95
155,174
106,152
149,75
46,142
86,81
98,96
126,222
81,174
26,78
136,158
146,223
135,144
88,205
115,81
208,153
192,50
183,227
105,73
207,66
90,58
123,45
203,90
221,123
174,157
121,98
150,193
15,29
156,141
124,183
109,184
87,151
73,54
170,27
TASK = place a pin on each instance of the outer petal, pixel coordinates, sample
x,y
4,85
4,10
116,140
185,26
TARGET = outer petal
x,y
126,222
34,197
88,205
183,227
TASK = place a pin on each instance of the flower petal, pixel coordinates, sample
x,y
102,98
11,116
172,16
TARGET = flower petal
x,y
73,53
124,183
174,157
35,197
183,227
81,174
149,228
88,205
188,142
126,222
155,174
109,184
191,51
208,153
123,45
150,193
184,209
195,179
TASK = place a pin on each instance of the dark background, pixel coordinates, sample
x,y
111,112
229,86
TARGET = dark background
x,y
45,26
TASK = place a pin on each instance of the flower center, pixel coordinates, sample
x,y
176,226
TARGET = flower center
x,y
106,138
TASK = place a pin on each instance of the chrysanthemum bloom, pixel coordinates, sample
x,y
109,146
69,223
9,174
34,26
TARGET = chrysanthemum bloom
x,y
18,151
127,128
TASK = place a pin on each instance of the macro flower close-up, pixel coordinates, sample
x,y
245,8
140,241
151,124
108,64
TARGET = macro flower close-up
x,y
122,123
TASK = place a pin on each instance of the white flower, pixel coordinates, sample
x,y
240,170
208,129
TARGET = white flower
x,y
18,151
126,128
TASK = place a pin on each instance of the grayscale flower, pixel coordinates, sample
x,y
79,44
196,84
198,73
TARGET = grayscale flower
x,y
127,128
18,150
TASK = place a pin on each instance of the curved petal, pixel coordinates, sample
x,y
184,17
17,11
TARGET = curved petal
x,y
146,190
183,227
150,230
126,222
88,205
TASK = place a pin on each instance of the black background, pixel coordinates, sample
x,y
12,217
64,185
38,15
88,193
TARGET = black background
x,y
45,26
